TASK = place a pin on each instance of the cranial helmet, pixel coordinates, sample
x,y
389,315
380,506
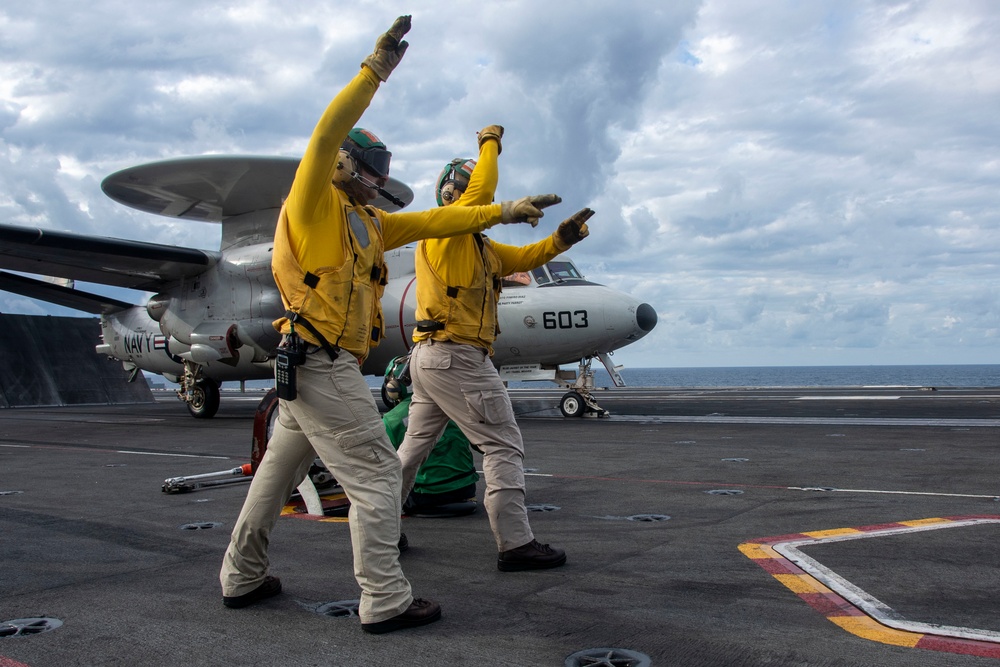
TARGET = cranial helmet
x,y
366,149
396,385
453,180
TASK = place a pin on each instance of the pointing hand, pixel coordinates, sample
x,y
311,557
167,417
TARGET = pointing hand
x,y
526,209
572,230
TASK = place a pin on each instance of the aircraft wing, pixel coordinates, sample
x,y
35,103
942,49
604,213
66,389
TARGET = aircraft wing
x,y
106,261
59,295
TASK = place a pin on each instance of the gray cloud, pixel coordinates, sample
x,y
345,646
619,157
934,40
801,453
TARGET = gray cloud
x,y
813,184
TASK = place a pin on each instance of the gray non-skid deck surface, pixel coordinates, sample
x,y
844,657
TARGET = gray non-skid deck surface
x,y
89,539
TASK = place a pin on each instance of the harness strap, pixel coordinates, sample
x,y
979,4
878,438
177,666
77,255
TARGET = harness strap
x,y
331,350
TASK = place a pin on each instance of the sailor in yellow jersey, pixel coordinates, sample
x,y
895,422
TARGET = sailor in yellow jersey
x,y
458,286
329,267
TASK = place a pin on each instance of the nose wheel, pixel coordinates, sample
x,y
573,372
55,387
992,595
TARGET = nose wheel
x,y
572,405
580,403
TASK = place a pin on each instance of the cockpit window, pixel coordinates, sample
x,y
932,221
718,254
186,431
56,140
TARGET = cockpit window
x,y
561,270
519,279
540,276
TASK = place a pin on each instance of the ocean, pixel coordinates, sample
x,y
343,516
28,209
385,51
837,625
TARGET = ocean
x,y
969,375
987,375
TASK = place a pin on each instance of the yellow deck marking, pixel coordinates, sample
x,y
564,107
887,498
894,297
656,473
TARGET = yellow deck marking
x,y
869,628
801,583
870,618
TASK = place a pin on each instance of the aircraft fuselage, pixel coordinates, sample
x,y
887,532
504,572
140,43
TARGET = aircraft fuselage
x,y
222,321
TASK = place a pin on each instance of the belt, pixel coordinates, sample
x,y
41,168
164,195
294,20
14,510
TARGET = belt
x,y
431,341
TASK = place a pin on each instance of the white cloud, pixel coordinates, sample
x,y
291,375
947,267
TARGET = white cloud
x,y
816,183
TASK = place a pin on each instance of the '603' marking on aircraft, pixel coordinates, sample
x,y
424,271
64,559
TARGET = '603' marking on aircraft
x,y
209,320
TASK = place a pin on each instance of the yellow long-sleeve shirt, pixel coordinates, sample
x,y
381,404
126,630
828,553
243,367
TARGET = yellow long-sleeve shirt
x,y
323,233
471,317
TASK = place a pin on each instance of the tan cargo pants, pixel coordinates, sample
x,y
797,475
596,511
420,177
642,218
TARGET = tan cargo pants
x,y
333,417
459,382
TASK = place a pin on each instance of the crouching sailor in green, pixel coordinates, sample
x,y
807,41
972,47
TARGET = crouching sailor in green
x,y
329,267
445,485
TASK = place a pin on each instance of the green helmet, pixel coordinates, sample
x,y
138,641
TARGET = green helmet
x,y
454,176
395,386
368,150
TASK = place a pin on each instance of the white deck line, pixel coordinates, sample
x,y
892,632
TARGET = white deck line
x,y
821,421
993,496
871,605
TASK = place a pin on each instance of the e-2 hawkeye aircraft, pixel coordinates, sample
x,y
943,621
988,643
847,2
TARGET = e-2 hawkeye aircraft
x,y
209,319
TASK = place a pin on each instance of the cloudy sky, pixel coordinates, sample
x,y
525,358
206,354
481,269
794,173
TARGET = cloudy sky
x,y
786,182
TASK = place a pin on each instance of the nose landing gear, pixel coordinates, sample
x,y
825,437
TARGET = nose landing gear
x,y
580,401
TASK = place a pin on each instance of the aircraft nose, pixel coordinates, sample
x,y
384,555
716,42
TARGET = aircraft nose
x,y
645,317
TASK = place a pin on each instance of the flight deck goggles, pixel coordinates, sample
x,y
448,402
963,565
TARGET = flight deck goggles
x,y
376,160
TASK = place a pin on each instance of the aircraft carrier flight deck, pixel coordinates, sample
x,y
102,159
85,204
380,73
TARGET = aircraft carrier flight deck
x,y
837,527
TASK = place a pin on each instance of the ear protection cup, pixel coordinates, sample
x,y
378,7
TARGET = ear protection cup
x,y
453,180
395,391
345,169
449,193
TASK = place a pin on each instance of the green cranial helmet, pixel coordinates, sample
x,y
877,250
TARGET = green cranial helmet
x,y
367,149
396,385
453,180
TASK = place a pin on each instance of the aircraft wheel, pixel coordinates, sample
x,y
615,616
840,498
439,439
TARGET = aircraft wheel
x,y
204,399
572,405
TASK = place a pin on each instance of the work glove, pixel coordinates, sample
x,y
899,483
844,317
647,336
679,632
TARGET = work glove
x,y
389,49
526,209
573,229
491,132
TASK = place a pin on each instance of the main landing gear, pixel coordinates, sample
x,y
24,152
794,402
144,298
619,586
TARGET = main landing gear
x,y
200,393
